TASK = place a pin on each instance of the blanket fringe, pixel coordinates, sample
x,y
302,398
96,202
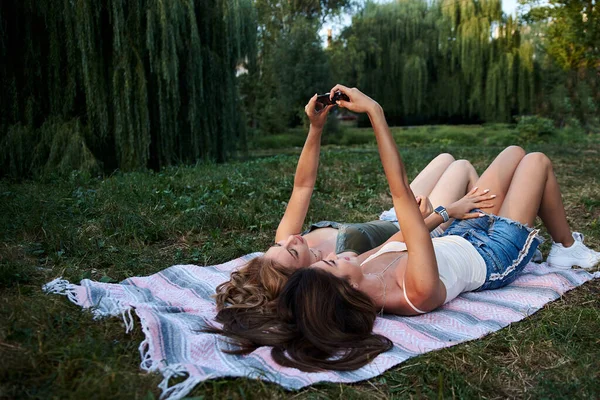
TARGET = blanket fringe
x,y
110,307
180,389
127,319
64,288
147,363
173,392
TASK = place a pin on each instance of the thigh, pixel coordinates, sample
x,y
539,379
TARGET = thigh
x,y
522,201
498,176
456,181
424,183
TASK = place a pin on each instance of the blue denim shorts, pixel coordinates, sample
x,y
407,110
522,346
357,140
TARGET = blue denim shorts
x,y
505,245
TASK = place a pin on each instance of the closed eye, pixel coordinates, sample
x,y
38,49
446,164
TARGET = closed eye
x,y
331,263
292,252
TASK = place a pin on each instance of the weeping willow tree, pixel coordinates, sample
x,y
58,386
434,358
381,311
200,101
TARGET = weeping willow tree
x,y
446,60
389,48
120,83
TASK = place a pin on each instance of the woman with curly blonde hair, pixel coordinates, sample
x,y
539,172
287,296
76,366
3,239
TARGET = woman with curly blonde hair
x,y
325,314
253,288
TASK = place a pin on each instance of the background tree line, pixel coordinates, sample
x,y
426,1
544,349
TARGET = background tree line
x,y
123,84
145,83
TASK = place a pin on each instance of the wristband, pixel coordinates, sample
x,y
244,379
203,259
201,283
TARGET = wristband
x,y
441,211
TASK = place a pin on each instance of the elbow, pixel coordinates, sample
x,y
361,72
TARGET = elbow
x,y
401,190
421,297
304,181
418,295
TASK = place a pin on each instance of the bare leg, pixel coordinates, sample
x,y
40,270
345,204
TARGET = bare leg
x,y
454,183
458,179
424,183
534,191
498,176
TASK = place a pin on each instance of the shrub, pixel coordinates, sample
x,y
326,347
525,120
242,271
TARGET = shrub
x,y
357,137
534,129
333,132
281,141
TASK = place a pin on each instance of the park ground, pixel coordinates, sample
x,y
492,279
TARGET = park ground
x,y
127,224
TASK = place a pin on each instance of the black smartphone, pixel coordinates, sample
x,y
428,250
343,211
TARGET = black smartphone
x,y
324,100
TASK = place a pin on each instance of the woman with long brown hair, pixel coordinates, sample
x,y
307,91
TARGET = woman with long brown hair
x,y
441,182
325,314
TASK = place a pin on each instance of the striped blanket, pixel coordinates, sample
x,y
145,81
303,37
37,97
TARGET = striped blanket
x,y
173,304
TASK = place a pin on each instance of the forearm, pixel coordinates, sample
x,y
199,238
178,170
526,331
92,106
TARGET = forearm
x,y
421,274
308,163
393,166
433,221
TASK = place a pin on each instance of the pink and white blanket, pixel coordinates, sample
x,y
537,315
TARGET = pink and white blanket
x,y
174,304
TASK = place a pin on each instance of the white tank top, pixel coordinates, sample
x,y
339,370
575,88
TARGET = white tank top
x,y
461,267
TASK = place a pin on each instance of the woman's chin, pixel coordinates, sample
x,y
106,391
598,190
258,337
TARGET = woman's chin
x,y
316,256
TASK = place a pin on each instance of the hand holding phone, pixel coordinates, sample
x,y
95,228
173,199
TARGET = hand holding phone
x,y
358,101
325,99
316,112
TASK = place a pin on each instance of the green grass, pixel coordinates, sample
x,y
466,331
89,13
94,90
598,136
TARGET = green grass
x,y
492,134
140,223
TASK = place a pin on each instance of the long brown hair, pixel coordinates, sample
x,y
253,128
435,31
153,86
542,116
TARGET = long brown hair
x,y
321,322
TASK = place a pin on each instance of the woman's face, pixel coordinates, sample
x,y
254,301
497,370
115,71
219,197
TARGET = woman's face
x,y
293,252
342,267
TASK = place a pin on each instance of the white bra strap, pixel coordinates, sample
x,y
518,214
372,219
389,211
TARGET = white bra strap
x,y
408,301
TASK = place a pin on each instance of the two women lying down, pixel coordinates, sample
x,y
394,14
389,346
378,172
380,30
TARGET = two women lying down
x,y
442,182
321,316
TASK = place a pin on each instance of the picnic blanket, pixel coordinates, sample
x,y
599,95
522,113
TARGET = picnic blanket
x,y
174,304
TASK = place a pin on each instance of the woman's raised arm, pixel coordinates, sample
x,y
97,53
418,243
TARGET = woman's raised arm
x,y
306,174
421,279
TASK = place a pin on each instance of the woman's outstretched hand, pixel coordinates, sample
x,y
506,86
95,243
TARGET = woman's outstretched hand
x,y
359,102
460,209
425,205
317,118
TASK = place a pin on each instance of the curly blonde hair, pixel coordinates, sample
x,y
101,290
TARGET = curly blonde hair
x,y
254,286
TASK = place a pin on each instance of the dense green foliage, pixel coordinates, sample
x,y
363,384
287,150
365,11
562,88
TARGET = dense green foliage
x,y
126,84
567,35
291,63
114,84
572,33
445,60
138,223
530,129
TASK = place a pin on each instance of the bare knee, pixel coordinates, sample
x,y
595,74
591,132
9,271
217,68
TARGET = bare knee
x,y
466,169
445,158
538,159
463,165
517,151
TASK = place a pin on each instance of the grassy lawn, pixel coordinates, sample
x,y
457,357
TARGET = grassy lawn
x,y
140,223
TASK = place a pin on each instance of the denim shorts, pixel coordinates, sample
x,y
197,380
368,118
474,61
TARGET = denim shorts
x,y
505,245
